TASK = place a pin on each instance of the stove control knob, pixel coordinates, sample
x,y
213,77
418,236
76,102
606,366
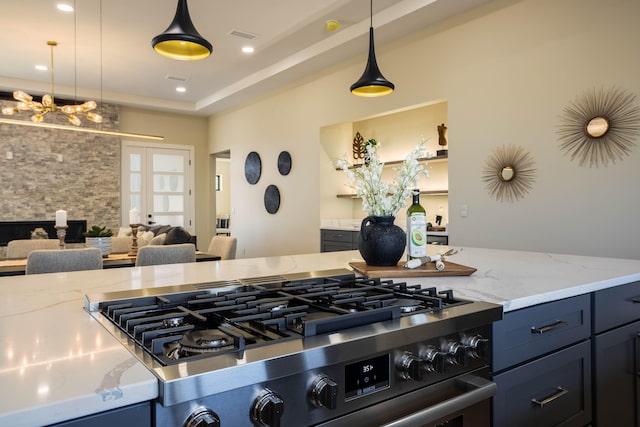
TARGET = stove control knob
x,y
409,366
456,353
433,359
324,392
203,418
477,347
267,409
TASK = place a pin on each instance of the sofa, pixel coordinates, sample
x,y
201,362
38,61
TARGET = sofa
x,y
151,235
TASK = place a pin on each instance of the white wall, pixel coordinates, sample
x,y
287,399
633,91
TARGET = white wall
x,y
506,70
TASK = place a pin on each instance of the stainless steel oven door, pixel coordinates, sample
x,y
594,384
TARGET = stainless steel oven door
x,y
462,401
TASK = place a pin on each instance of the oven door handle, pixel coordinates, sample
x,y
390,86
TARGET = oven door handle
x,y
479,389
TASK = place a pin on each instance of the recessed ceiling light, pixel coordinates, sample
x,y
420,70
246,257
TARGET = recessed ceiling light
x,y
64,7
42,67
247,49
181,89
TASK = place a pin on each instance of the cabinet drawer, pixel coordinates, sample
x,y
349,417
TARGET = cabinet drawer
x,y
336,246
551,391
616,306
525,334
339,236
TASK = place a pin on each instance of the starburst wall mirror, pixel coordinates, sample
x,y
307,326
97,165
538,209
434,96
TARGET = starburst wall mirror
x,y
508,173
600,126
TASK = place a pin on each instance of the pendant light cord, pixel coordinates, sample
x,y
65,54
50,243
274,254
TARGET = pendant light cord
x,y
101,103
52,91
371,14
75,52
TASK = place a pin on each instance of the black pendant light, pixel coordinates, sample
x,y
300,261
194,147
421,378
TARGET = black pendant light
x,y
372,83
181,40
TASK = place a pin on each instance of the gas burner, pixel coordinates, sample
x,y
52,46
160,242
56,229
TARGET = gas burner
x,y
204,341
408,305
173,322
196,343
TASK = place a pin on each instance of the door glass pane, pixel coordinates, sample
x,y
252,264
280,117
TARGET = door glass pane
x,y
168,163
135,162
174,220
168,183
136,182
135,201
166,203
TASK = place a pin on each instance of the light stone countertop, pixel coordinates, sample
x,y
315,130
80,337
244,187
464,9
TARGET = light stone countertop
x,y
58,363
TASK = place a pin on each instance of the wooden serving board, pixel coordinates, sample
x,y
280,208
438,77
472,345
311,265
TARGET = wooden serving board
x,y
425,270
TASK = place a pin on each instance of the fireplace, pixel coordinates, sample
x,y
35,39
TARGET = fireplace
x,y
14,230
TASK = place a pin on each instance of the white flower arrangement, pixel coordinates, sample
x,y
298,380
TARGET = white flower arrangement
x,y
380,198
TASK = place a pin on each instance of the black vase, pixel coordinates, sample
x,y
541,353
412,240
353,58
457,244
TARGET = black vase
x,y
381,242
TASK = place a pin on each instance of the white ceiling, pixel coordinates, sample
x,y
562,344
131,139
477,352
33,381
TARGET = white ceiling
x,y
104,48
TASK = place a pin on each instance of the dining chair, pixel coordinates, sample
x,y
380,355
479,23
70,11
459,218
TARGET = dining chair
x,y
19,249
223,246
57,260
166,254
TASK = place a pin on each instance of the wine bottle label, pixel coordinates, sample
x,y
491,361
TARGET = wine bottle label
x,y
417,235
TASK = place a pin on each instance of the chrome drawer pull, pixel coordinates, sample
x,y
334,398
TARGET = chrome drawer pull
x,y
555,325
560,392
635,300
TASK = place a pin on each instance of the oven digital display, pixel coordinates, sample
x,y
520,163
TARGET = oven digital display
x,y
366,376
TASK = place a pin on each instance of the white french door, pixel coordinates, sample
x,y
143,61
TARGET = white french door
x,y
158,181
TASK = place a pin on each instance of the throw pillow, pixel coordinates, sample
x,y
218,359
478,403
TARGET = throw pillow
x,y
159,239
177,235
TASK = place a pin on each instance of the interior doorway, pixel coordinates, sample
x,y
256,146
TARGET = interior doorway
x,y
222,189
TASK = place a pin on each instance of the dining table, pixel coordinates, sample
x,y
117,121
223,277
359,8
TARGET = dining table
x,y
17,267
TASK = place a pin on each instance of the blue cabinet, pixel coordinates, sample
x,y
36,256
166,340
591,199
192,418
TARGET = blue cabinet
x,y
137,415
542,365
616,352
338,240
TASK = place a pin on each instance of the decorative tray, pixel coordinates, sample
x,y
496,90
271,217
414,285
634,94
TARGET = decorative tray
x,y
428,269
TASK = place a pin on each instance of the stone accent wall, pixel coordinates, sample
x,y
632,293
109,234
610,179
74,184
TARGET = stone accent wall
x,y
58,169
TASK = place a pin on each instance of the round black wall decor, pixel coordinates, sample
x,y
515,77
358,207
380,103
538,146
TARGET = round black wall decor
x,y
284,163
272,199
252,167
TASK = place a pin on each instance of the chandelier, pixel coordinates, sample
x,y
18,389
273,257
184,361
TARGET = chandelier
x,y
48,105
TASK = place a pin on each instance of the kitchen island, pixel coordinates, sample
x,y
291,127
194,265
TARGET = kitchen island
x,y
58,363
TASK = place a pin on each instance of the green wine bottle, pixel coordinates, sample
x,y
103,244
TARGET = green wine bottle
x,y
416,228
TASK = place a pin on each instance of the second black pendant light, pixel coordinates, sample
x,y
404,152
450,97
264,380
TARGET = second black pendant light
x,y
372,83
181,40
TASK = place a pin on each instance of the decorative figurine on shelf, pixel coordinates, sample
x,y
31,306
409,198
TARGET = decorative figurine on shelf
x,y
357,147
360,150
442,140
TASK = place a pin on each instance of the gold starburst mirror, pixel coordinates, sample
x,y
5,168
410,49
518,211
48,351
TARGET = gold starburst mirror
x,y
600,126
508,173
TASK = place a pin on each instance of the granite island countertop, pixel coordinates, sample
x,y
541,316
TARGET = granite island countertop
x,y
58,363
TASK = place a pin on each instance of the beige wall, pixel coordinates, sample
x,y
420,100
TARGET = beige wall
x,y
181,130
506,71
